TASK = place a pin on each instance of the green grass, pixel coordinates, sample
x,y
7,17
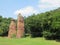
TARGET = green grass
x,y
27,41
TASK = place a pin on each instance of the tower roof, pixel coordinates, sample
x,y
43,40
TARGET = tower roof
x,y
20,16
12,19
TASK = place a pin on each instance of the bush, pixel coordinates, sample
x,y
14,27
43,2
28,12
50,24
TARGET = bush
x,y
36,34
13,36
48,35
58,35
1,32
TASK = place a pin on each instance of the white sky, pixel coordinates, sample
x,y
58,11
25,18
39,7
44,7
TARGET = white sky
x,y
43,5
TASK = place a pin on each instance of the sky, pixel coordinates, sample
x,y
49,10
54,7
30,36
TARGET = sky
x,y
11,8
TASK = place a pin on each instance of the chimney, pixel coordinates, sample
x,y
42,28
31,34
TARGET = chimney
x,y
20,26
12,29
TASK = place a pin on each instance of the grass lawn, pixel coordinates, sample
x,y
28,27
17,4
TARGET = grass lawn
x,y
27,41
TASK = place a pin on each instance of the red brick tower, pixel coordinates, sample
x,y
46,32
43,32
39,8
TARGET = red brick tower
x,y
12,29
20,26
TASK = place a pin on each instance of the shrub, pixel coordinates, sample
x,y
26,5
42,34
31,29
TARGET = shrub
x,y
48,35
58,35
13,36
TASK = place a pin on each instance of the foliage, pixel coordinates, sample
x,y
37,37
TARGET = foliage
x,y
45,24
4,25
13,36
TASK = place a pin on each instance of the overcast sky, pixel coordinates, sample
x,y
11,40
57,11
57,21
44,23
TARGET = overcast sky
x,y
11,8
